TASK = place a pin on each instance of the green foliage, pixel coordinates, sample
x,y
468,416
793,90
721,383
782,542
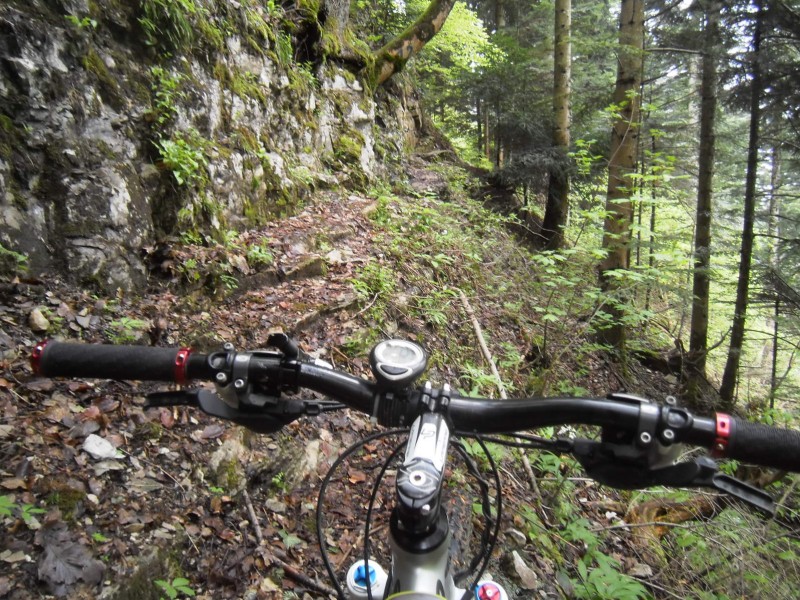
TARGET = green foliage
x,y
169,24
374,281
126,329
81,23
26,512
187,162
11,261
99,538
606,582
278,481
289,540
179,586
283,48
260,254
166,93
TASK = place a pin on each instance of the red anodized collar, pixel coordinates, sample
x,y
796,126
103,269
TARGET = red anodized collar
x,y
723,434
36,357
181,364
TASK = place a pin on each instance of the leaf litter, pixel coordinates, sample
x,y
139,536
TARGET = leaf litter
x,y
119,481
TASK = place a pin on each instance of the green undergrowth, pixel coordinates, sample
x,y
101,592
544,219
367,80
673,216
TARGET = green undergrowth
x,y
539,312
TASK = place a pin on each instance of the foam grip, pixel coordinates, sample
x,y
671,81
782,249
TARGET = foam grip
x,y
764,445
105,361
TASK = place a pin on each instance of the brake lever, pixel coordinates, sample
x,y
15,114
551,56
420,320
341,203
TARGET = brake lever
x,y
275,413
709,475
626,467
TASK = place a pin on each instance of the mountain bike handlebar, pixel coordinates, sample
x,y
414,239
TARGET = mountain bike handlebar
x,y
264,375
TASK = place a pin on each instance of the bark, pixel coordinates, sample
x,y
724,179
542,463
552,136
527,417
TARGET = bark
x,y
557,209
698,337
621,167
499,15
337,14
773,232
731,373
393,56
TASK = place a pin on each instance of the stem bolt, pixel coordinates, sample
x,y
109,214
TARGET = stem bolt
x,y
645,438
668,435
221,378
239,384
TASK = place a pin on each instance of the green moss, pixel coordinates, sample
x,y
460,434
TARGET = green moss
x,y
164,564
309,8
249,140
109,88
348,146
229,475
246,85
152,430
66,499
9,137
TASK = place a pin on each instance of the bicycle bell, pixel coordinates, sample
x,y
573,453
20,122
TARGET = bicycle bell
x,y
396,364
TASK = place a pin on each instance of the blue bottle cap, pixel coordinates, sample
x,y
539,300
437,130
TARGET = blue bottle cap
x,y
360,577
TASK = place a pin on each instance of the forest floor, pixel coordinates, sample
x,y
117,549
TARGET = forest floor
x,y
184,496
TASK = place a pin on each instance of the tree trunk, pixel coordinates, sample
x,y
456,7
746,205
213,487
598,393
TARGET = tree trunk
x,y
730,375
499,15
698,336
555,216
337,15
393,56
773,234
621,167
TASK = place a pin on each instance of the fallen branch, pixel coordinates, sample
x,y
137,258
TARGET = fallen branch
x,y
251,512
501,389
272,557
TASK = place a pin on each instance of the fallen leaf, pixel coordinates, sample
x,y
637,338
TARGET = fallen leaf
x,y
64,562
355,476
104,466
91,413
84,321
15,483
212,431
99,448
37,321
144,485
13,557
167,420
41,385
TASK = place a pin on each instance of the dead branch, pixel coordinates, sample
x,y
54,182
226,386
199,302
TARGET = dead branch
x,y
500,387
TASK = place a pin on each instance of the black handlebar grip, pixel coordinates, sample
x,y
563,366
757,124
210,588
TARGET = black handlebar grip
x,y
764,445
105,361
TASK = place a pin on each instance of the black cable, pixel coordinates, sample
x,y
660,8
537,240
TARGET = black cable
x,y
528,442
499,501
370,506
472,468
320,499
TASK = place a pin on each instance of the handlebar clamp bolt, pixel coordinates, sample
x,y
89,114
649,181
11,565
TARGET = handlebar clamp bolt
x,y
645,438
671,401
228,346
221,378
239,384
668,435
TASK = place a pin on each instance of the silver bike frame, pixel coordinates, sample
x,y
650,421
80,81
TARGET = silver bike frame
x,y
423,569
